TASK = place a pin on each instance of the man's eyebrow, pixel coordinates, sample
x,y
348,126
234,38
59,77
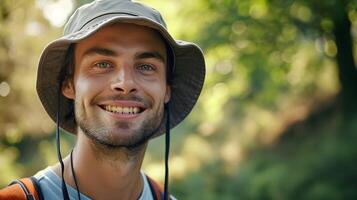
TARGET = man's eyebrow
x,y
99,51
150,54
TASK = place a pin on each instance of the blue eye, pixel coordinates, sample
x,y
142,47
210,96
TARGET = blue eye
x,y
102,65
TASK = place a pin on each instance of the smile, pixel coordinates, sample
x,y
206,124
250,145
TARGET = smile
x,y
122,110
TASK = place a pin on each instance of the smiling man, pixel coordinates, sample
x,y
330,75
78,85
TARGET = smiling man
x,y
116,79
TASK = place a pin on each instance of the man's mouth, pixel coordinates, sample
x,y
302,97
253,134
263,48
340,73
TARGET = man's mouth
x,y
123,110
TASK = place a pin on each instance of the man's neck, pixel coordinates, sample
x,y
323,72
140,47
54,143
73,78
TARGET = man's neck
x,y
104,173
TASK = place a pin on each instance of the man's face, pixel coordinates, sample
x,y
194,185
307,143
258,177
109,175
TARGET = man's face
x,y
119,85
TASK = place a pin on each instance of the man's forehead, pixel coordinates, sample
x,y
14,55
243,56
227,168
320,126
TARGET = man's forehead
x,y
103,51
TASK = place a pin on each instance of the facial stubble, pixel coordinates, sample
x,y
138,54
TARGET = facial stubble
x,y
106,138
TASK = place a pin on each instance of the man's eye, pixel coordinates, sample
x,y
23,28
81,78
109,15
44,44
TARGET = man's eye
x,y
103,65
146,68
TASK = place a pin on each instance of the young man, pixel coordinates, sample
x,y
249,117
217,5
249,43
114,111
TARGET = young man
x,y
115,79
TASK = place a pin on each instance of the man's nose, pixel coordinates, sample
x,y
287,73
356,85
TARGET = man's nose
x,y
124,81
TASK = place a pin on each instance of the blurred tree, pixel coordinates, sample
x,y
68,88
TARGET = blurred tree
x,y
24,126
270,65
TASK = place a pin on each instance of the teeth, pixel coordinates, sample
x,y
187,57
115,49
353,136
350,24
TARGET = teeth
x,y
126,110
122,110
115,109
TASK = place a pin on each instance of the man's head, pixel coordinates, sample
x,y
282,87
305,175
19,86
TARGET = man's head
x,y
187,67
119,84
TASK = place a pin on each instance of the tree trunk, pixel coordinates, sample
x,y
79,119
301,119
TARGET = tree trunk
x,y
345,60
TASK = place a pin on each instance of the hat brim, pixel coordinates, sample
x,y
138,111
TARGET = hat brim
x,y
186,82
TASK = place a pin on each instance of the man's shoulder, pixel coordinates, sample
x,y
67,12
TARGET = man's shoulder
x,y
47,178
24,188
42,174
51,185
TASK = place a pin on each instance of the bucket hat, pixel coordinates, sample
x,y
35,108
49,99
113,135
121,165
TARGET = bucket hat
x,y
188,65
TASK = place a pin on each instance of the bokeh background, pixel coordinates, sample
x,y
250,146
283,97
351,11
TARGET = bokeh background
x,y
277,118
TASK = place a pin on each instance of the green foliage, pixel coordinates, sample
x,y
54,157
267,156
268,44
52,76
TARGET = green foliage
x,y
320,167
25,157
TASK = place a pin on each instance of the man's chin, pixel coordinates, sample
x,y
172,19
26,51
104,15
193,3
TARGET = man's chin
x,y
119,137
119,134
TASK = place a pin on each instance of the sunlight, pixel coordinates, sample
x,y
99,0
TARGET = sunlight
x,y
56,12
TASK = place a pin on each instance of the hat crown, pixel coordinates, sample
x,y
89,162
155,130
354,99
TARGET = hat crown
x,y
98,8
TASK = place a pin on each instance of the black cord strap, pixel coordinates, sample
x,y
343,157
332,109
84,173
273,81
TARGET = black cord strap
x,y
167,151
64,187
74,176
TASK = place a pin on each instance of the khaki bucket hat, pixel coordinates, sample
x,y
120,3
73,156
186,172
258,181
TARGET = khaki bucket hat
x,y
187,63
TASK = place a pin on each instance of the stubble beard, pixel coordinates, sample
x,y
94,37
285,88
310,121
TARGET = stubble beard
x,y
103,137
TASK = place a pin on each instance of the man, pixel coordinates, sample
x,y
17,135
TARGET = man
x,y
115,79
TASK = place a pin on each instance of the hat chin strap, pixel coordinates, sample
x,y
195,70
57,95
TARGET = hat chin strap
x,y
58,144
167,151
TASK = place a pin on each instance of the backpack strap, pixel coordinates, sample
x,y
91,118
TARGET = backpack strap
x,y
21,189
156,190
37,188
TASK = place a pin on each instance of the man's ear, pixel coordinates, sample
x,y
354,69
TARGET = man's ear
x,y
68,89
168,94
